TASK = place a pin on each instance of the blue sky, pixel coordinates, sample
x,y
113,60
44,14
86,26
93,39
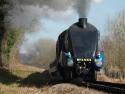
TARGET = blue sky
x,y
98,16
100,13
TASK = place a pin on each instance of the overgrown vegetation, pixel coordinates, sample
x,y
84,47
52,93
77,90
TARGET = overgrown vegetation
x,y
10,41
8,38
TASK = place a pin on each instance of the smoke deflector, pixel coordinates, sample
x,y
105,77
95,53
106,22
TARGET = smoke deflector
x,y
83,22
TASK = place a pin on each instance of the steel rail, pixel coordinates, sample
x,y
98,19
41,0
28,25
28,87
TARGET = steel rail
x,y
103,87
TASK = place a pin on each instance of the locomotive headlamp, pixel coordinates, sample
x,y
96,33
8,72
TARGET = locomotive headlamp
x,y
90,60
78,59
87,59
84,59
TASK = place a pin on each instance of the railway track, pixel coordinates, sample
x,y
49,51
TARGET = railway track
x,y
108,87
111,88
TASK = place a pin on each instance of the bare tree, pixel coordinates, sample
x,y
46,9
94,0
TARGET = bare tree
x,y
114,43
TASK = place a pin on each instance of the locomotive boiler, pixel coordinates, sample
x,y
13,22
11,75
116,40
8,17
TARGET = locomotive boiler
x,y
77,53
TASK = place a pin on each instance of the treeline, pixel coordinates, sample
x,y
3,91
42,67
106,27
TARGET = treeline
x,y
3,12
10,42
114,43
8,37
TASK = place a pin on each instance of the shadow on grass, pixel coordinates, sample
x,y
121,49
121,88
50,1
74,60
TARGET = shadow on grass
x,y
36,79
7,77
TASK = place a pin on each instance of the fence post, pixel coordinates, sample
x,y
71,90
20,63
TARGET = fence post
x,y
114,74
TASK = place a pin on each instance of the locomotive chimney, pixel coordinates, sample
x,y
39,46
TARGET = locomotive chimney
x,y
83,22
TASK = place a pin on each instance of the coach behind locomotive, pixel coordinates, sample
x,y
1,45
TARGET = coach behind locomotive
x,y
77,52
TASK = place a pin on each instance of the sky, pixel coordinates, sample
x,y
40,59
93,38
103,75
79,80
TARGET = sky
x,y
98,15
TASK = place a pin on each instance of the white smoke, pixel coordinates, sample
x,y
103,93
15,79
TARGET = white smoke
x,y
28,13
82,7
97,1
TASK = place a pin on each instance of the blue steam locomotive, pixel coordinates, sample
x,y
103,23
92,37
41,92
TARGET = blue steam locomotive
x,y
77,53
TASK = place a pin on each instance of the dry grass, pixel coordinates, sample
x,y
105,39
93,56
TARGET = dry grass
x,y
71,89
17,66
31,80
25,79
24,70
102,77
17,90
56,89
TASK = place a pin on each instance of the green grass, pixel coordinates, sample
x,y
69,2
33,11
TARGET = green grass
x,y
21,73
1,93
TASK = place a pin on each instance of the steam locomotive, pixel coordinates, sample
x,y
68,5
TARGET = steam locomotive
x,y
77,53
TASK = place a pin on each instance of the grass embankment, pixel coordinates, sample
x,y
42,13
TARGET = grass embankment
x,y
23,79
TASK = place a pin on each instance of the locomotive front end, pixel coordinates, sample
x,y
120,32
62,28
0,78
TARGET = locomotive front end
x,y
77,51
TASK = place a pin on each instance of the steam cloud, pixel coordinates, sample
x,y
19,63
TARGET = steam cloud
x,y
82,7
27,15
40,54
